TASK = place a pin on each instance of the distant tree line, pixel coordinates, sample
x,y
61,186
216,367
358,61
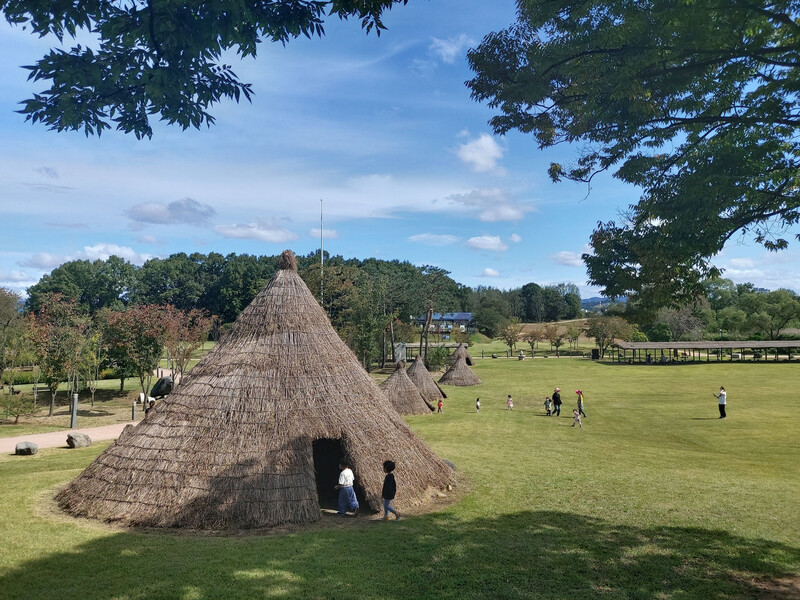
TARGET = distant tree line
x,y
370,302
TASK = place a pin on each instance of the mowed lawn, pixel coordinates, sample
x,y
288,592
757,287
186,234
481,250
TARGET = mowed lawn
x,y
654,498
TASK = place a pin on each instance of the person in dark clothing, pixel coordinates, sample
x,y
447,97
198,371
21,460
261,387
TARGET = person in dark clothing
x,y
557,402
389,490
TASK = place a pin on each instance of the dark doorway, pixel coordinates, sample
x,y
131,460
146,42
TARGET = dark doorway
x,y
327,455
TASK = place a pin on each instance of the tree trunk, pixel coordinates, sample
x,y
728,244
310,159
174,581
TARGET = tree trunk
x,y
122,383
391,341
53,393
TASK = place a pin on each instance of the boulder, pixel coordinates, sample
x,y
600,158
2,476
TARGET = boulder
x,y
26,448
78,440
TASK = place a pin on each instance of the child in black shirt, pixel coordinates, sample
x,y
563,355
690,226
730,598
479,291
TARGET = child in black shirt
x,y
389,491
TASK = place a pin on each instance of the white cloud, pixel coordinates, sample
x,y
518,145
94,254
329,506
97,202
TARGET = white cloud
x,y
42,260
742,263
266,231
447,50
487,242
482,154
180,212
330,234
103,251
433,239
487,272
515,238
45,261
569,259
150,239
15,277
501,212
48,172
492,204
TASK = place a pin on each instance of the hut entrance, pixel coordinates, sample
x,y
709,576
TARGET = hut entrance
x,y
327,454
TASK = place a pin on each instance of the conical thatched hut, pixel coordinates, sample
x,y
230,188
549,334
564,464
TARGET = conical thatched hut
x,y
403,394
421,378
253,435
459,374
461,350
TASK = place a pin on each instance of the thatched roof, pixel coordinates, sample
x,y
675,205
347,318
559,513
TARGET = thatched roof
x,y
461,350
403,394
234,447
459,374
421,378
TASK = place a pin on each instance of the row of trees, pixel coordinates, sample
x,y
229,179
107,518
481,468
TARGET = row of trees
x,y
370,302
68,345
725,310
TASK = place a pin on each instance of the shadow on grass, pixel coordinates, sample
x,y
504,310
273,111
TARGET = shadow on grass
x,y
525,555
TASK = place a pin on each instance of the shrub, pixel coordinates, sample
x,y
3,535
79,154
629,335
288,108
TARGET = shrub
x,y
17,377
108,374
437,358
16,406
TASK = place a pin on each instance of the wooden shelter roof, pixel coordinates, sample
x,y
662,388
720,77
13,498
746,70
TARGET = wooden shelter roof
x,y
708,345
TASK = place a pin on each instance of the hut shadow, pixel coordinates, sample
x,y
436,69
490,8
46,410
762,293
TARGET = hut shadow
x,y
529,554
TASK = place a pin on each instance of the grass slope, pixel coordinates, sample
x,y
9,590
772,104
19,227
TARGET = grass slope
x,y
654,498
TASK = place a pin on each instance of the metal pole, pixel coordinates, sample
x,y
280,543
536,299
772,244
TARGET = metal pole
x,y
73,418
133,411
321,259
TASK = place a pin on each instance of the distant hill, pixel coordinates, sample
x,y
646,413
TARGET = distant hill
x,y
598,302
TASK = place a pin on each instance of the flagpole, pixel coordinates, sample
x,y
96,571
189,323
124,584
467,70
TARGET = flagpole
x,y
321,259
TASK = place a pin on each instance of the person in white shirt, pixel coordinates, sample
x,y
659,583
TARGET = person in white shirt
x,y
347,496
723,399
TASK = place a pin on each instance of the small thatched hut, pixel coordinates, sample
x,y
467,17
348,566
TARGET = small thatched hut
x,y
459,374
421,378
253,435
461,350
403,394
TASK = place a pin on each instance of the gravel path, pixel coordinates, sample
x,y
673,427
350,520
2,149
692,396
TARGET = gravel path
x,y
58,439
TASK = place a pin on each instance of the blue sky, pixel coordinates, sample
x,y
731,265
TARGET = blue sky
x,y
382,129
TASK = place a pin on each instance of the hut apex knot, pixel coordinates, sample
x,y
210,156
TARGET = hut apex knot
x,y
287,261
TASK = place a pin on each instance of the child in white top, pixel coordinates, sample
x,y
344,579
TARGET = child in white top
x,y
576,418
477,405
510,403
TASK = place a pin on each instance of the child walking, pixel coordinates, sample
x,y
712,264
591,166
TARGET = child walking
x,y
510,403
576,418
477,405
389,491
548,406
439,406
580,402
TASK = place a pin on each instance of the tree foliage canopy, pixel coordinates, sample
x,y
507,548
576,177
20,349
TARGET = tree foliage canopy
x,y
695,103
159,57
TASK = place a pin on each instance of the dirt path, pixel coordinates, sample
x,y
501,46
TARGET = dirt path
x,y
58,439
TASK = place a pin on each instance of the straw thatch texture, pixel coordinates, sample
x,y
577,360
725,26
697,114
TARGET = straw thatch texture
x,y
232,447
403,394
421,378
459,374
461,350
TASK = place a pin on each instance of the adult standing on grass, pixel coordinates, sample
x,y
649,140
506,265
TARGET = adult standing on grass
x,y
557,402
722,397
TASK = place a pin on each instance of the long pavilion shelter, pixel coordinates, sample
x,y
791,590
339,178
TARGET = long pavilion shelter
x,y
707,351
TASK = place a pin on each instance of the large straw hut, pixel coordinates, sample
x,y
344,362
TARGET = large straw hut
x,y
461,350
459,374
403,394
426,385
253,435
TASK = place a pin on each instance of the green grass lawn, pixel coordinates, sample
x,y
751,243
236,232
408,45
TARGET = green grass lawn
x,y
654,498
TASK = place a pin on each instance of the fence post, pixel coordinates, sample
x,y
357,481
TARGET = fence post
x,y
73,417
